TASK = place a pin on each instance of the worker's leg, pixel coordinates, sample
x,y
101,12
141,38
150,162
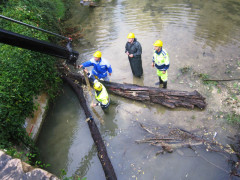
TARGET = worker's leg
x,y
131,64
105,108
136,66
165,84
163,78
159,82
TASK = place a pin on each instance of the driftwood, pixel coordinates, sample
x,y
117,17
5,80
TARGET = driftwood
x,y
165,97
178,138
102,152
236,79
175,138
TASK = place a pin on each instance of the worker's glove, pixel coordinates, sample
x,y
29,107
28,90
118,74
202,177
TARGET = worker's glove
x,y
81,66
93,105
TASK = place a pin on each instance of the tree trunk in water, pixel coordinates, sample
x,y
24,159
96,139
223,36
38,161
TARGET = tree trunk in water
x,y
165,97
102,152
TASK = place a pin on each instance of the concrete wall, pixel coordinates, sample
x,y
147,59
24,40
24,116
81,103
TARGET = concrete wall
x,y
33,125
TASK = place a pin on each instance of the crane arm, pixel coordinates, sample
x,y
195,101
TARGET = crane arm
x,y
14,39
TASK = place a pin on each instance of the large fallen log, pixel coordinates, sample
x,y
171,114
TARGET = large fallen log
x,y
165,97
102,152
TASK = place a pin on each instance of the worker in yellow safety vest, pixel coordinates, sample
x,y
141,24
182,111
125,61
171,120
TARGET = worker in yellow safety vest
x,y
161,62
101,95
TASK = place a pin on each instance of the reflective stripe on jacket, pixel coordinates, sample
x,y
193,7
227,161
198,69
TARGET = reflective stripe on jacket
x,y
100,68
161,60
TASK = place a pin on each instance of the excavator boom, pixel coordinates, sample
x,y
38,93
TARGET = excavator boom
x,y
15,39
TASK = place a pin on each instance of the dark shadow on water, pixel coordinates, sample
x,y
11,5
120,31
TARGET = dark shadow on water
x,y
138,81
85,163
109,127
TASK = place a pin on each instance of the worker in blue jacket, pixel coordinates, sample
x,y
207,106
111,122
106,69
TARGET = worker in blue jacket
x,y
100,66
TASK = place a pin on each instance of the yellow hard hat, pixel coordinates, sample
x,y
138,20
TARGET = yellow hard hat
x,y
97,54
158,43
130,36
97,86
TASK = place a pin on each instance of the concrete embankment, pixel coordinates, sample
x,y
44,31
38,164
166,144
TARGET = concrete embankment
x,y
33,124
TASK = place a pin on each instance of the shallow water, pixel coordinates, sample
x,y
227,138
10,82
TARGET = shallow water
x,y
203,35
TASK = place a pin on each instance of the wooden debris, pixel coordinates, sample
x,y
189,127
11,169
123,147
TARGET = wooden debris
x,y
102,151
235,79
178,138
165,97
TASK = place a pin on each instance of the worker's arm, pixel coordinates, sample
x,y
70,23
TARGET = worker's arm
x,y
139,50
153,61
86,64
110,70
94,105
97,104
126,50
153,64
102,104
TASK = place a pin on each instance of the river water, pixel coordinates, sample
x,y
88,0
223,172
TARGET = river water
x,y
201,35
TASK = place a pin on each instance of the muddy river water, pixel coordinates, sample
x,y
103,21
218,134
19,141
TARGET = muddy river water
x,y
199,35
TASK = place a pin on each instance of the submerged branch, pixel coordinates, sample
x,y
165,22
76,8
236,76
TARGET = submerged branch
x,y
97,138
236,79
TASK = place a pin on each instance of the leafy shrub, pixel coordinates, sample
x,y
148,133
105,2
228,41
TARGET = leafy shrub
x,y
23,73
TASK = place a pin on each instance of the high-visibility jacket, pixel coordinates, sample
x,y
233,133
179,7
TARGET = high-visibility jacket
x,y
102,97
100,68
161,60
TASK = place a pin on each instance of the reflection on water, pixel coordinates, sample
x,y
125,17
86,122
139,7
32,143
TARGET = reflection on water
x,y
198,34
110,126
138,81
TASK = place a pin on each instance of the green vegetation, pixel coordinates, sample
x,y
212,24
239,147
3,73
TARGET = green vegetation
x,y
64,173
185,69
210,84
60,8
203,76
25,74
26,157
237,87
233,118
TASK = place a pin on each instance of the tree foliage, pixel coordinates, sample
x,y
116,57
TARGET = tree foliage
x,y
25,74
